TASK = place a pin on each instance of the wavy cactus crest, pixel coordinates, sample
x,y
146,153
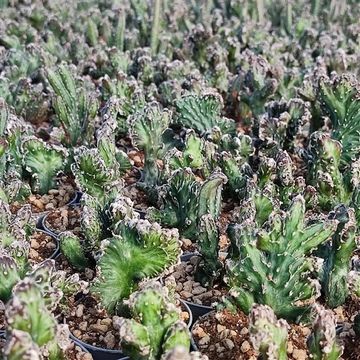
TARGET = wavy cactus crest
x,y
203,114
272,267
140,250
43,162
268,335
340,98
155,327
184,200
10,275
322,341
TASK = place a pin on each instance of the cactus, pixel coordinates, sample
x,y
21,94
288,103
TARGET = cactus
x,y
75,109
73,251
9,276
203,114
184,200
140,250
146,131
20,346
272,267
154,328
43,162
268,335
322,341
339,98
337,260
209,267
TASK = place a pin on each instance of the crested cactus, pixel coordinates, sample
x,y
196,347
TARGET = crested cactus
x,y
147,130
184,200
151,309
75,109
43,162
139,250
338,255
268,335
340,100
20,346
322,343
209,267
273,267
203,114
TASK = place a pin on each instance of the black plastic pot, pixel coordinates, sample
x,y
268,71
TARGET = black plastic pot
x,y
75,201
196,309
194,346
41,226
106,354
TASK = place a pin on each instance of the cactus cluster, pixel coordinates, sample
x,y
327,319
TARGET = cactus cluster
x,y
230,128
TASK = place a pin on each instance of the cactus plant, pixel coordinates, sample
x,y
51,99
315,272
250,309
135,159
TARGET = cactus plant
x,y
203,114
21,347
273,267
322,342
43,162
155,327
268,335
184,200
75,109
139,250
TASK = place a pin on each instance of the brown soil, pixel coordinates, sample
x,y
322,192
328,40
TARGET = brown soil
x,y
191,290
224,335
75,353
55,198
91,324
42,246
66,218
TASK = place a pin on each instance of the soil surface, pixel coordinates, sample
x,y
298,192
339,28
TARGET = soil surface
x,y
224,335
42,247
66,218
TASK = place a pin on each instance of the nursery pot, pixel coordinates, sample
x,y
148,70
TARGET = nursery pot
x,y
41,225
197,310
107,354
194,346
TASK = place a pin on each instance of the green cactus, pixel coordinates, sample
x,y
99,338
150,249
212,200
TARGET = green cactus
x,y
322,341
139,250
184,200
21,347
272,267
339,98
338,255
154,328
203,114
9,276
43,162
268,335
75,109
73,251
209,267
147,131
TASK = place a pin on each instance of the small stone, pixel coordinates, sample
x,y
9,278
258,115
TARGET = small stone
x,y
198,290
83,325
79,311
188,285
194,260
99,328
106,322
233,333
177,275
186,294
77,333
186,242
339,312
89,273
220,349
189,268
245,347
50,245
179,287
290,347
38,204
199,331
220,328
33,254
34,244
244,331
49,206
204,340
306,331
299,354
229,344
53,191
109,340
